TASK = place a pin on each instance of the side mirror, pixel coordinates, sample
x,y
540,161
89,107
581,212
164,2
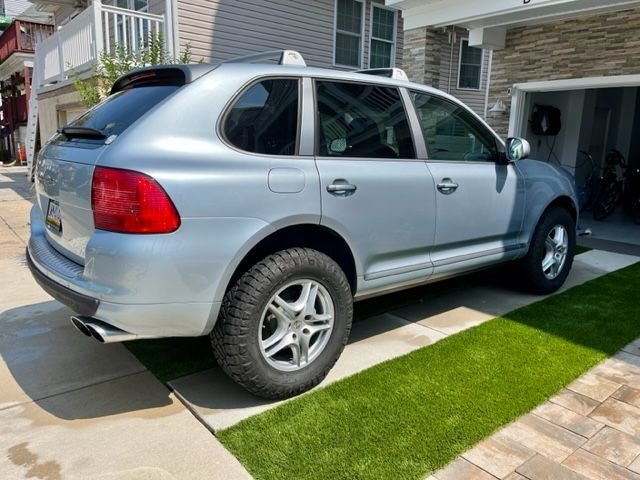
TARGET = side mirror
x,y
517,149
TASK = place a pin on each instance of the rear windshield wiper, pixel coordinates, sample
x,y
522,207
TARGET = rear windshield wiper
x,y
82,132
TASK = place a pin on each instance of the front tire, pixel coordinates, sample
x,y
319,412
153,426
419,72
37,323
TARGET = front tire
x,y
548,262
284,323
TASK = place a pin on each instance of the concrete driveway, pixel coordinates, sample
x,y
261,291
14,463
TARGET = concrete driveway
x,y
72,408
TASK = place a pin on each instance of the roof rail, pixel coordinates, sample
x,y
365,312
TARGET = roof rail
x,y
394,73
281,57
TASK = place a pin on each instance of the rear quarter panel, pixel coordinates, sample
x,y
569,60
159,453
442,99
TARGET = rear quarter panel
x,y
224,196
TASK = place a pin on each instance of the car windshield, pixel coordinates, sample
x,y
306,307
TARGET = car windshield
x,y
114,115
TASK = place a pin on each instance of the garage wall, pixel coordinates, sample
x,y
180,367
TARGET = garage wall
x,y
561,149
588,46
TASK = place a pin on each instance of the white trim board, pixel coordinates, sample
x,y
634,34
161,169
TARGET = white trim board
x,y
520,90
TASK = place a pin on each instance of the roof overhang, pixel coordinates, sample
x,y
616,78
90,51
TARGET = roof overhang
x,y
488,20
50,6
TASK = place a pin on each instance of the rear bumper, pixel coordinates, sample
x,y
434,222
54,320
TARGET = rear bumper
x,y
82,304
157,315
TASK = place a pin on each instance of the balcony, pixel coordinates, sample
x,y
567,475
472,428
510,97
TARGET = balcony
x,y
77,45
14,110
22,37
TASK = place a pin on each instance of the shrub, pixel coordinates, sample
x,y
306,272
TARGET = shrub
x,y
121,60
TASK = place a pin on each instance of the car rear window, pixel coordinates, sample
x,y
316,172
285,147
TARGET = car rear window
x,y
118,111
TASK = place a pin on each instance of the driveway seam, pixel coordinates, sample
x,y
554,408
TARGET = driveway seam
x,y
46,397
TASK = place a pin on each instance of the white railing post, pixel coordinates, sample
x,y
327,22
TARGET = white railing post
x,y
98,34
60,75
168,29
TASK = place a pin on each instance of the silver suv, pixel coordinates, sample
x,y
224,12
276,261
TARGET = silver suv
x,y
253,202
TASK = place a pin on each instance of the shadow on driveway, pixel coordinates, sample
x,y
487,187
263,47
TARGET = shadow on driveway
x,y
13,184
42,355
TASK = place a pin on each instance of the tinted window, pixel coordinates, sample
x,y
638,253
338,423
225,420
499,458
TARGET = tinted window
x,y
117,112
360,120
265,118
451,132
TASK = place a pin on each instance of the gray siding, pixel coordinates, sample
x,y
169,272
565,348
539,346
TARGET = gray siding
x,y
218,30
449,83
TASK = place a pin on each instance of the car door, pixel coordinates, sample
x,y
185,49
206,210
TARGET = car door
x,y
480,198
374,190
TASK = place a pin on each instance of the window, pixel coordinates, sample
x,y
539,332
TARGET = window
x,y
452,133
383,34
362,120
133,31
348,39
470,68
118,111
265,118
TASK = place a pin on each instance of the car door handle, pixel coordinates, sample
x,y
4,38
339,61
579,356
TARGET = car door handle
x,y
447,186
341,188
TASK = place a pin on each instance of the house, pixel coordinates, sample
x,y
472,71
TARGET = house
x,y
13,8
349,34
443,58
565,74
17,48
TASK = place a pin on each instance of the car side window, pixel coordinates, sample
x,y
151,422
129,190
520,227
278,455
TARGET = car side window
x,y
452,133
362,120
264,119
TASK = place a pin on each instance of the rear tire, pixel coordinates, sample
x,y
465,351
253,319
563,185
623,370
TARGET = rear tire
x,y
284,323
548,262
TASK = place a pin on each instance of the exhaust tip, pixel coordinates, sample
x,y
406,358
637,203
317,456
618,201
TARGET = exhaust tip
x,y
103,332
80,326
94,333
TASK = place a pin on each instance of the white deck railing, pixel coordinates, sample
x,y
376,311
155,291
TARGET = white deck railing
x,y
77,45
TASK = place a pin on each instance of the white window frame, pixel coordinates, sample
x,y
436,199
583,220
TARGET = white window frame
x,y
458,87
131,5
395,33
361,36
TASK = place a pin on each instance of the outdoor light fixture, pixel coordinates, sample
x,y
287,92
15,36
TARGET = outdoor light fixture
x,y
499,107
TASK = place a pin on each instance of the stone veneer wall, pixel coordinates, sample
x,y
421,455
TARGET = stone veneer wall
x,y
422,52
589,46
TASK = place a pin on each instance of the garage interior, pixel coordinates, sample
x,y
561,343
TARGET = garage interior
x,y
595,121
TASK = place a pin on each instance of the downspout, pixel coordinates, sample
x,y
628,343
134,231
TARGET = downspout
x,y
488,85
452,42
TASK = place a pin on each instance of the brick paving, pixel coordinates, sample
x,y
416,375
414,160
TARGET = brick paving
x,y
588,431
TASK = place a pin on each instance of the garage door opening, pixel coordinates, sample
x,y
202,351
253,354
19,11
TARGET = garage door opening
x,y
593,121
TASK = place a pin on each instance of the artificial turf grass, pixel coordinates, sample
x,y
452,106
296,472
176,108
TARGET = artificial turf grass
x,y
412,415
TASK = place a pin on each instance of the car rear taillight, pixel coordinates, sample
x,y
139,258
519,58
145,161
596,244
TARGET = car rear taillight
x,y
131,202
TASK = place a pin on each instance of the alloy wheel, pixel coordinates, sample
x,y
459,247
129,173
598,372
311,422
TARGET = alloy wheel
x,y
556,250
296,325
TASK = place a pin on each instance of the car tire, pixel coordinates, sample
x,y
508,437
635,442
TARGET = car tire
x,y
265,310
547,264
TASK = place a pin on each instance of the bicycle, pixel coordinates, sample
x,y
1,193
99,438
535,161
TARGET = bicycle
x,y
611,186
589,193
